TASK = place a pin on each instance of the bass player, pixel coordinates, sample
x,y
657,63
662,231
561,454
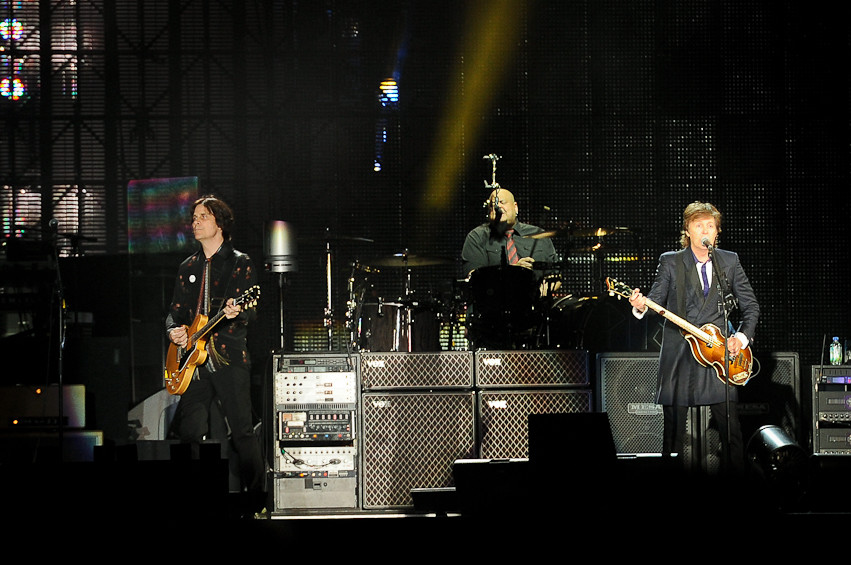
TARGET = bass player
x,y
687,283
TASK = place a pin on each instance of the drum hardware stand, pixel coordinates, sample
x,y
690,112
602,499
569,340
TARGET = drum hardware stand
x,y
354,306
547,304
454,315
407,303
352,313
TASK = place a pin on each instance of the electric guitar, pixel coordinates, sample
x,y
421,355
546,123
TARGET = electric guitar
x,y
707,343
182,361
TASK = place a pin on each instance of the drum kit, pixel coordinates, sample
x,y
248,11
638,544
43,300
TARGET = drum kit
x,y
496,307
410,322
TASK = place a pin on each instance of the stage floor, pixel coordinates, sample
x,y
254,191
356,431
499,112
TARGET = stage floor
x,y
627,510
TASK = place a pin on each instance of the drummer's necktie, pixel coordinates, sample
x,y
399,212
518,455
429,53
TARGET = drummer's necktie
x,y
510,250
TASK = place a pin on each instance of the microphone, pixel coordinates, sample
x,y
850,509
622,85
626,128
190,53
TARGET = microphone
x,y
491,156
705,243
54,224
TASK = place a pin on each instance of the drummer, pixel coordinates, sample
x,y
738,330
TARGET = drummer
x,y
488,244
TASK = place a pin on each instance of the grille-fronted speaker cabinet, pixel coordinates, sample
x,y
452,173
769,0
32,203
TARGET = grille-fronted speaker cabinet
x,y
403,370
504,417
410,441
545,368
771,397
626,390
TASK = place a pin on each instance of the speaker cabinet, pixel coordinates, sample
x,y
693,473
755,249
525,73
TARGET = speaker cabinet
x,y
773,397
626,390
410,441
387,371
531,368
504,417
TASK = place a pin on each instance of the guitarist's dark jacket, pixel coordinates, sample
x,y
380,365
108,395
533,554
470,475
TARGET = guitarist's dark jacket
x,y
682,380
232,273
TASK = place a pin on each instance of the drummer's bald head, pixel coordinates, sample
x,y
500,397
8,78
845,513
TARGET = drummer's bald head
x,y
507,205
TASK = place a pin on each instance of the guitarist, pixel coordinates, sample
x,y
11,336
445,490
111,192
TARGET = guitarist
x,y
680,287
206,282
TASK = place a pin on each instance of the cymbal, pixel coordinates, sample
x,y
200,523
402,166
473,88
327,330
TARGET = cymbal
x,y
545,234
578,232
407,260
585,232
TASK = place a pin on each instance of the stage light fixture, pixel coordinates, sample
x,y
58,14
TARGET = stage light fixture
x,y
780,462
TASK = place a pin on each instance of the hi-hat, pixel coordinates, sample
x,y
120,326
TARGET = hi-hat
x,y
407,260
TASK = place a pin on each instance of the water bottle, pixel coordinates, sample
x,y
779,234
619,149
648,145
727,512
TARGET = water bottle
x,y
835,352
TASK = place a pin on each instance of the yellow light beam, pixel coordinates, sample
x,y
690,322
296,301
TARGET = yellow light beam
x,y
487,55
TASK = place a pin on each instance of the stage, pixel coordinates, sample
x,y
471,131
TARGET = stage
x,y
628,507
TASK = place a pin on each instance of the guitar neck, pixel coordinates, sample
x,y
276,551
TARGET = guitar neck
x,y
681,323
207,327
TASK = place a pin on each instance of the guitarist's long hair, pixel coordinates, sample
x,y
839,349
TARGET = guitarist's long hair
x,y
221,211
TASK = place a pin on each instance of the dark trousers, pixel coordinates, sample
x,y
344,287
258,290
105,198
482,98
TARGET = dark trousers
x,y
231,388
732,447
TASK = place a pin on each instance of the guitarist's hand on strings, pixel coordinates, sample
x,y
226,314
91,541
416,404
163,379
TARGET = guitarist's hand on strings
x,y
231,310
179,336
637,300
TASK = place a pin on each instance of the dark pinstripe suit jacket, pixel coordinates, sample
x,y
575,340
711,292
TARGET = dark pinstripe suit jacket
x,y
682,380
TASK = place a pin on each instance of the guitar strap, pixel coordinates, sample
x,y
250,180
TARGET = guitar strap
x,y
214,358
204,295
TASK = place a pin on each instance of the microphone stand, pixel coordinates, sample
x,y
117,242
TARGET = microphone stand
x,y
726,307
329,304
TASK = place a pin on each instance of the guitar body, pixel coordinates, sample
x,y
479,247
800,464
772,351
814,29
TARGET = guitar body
x,y
707,343
181,362
714,356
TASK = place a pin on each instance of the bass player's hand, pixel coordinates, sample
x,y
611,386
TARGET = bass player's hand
x,y
734,346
